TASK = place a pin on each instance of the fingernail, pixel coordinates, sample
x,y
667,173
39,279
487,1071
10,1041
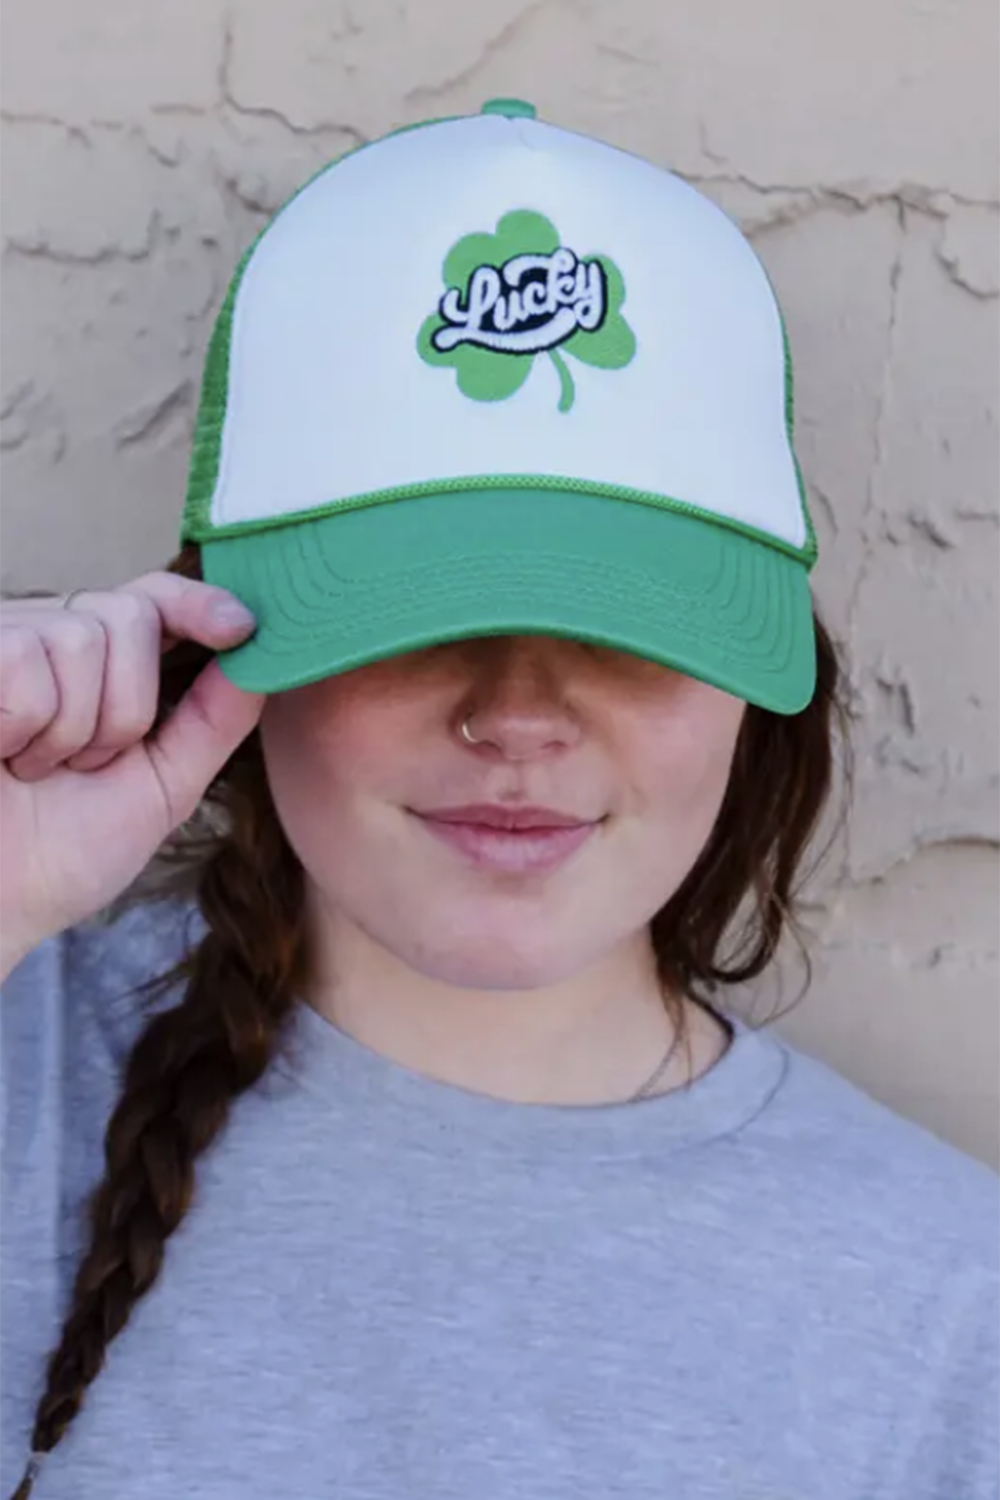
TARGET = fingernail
x,y
232,615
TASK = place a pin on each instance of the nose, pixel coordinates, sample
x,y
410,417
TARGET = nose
x,y
517,702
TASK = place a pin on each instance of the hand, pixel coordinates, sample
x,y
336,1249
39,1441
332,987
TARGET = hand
x,y
87,792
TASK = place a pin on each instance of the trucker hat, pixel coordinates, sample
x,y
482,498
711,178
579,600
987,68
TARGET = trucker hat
x,y
487,376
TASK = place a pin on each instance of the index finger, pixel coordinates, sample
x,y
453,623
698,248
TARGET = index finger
x,y
192,610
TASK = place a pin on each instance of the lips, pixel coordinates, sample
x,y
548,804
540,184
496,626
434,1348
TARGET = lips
x,y
509,840
492,815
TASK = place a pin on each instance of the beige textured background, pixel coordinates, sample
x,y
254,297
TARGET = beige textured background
x,y
855,141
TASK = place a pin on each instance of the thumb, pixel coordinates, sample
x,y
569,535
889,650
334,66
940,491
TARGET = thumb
x,y
200,735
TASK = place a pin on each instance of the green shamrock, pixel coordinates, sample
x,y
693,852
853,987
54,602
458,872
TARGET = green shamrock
x,y
491,307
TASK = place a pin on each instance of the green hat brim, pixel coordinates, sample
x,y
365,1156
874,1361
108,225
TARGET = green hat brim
x,y
353,587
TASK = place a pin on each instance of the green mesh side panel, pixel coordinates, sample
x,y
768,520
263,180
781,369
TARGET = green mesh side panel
x,y
204,466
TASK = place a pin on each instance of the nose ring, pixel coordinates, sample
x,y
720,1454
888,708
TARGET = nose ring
x,y
467,734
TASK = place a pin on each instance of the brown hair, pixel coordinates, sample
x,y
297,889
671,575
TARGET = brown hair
x,y
722,927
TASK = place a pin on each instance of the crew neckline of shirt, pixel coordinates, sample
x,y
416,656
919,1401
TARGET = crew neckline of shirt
x,y
426,1112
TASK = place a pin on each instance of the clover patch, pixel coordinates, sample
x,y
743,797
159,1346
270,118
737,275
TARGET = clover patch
x,y
520,293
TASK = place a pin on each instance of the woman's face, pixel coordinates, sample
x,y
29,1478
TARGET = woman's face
x,y
385,803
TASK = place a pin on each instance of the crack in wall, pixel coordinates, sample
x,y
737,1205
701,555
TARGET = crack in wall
x,y
929,198
429,93
919,848
76,132
268,112
42,249
148,423
957,252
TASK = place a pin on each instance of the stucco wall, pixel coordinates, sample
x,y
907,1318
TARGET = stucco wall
x,y
856,143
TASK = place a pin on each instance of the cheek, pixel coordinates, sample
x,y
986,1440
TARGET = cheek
x,y
317,759
335,787
337,778
682,782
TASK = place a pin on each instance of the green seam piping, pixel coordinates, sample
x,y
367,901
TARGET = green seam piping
x,y
485,482
812,546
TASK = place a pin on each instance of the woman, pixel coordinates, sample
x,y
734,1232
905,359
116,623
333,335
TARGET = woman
x,y
439,1167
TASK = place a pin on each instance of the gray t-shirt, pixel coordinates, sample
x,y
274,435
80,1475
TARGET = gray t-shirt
x,y
766,1287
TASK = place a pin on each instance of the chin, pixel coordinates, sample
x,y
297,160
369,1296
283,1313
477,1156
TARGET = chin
x,y
495,961
482,972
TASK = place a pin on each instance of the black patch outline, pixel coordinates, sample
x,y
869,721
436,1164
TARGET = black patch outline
x,y
541,319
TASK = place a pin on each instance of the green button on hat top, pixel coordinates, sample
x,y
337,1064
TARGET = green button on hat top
x,y
513,108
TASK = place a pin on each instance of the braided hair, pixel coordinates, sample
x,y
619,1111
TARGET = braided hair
x,y
191,1061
